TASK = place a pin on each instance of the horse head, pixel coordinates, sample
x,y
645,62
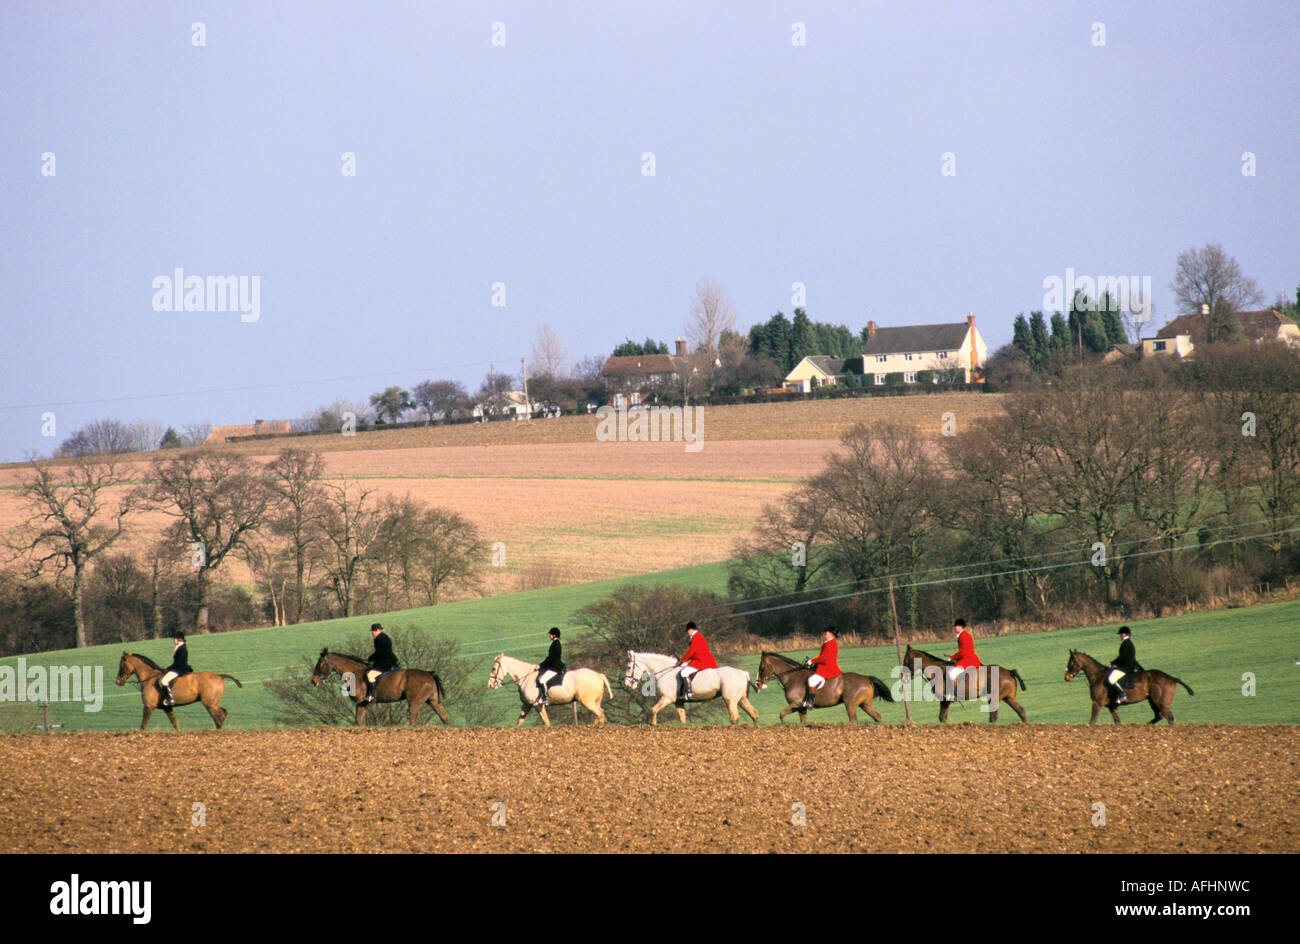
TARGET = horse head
x,y
494,680
322,670
765,671
1074,666
124,669
629,677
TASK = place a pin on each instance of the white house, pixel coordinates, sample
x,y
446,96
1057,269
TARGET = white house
x,y
956,350
820,371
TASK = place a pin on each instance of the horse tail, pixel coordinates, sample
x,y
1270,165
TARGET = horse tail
x,y
241,685
609,692
881,689
1183,684
750,683
437,683
1016,675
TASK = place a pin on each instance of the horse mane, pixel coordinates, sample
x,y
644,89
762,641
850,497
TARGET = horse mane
x,y
784,658
146,660
344,655
930,655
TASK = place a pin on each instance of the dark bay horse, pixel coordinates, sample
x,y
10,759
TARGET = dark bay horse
x,y
206,687
855,691
977,683
417,686
1152,686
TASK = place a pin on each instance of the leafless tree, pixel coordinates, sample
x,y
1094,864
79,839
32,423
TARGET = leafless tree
x,y
1208,276
299,511
350,525
218,501
711,314
195,434
549,356
70,522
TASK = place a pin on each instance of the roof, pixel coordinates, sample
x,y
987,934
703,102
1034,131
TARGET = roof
x,y
830,366
639,365
917,338
222,434
1257,325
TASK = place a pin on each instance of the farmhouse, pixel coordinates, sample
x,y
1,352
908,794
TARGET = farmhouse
x,y
946,351
640,373
222,434
1265,325
821,371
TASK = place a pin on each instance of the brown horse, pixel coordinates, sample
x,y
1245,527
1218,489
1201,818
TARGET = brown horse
x,y
936,670
853,690
417,686
1153,686
206,687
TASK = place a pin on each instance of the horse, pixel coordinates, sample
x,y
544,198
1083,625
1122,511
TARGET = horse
x,y
417,686
585,685
1156,687
725,682
854,690
1006,679
206,687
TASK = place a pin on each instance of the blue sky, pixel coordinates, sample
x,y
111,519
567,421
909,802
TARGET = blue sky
x,y
522,164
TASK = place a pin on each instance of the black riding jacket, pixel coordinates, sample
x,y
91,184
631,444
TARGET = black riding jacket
x,y
553,659
181,660
1127,661
383,657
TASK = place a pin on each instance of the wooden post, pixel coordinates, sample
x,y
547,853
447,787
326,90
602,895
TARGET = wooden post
x,y
893,608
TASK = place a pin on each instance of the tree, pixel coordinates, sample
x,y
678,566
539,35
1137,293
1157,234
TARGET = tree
x,y
171,439
101,437
350,525
299,510
711,314
218,501
69,522
1209,276
392,403
630,348
491,396
443,398
549,356
195,434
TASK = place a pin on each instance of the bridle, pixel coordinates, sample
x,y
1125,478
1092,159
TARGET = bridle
x,y
630,677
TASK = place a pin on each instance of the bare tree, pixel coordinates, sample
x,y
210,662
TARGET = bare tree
x,y
1209,276
68,524
549,356
195,434
219,500
299,510
350,525
711,314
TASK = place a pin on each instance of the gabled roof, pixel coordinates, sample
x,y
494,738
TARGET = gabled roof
x,y
913,339
1257,325
830,366
640,365
222,434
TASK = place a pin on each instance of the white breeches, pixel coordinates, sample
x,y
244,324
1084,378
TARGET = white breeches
x,y
544,679
815,681
1115,676
688,671
168,678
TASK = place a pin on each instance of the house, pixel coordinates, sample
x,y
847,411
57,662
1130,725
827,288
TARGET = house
x,y
1119,352
638,373
514,404
956,350
1177,345
222,434
1265,325
818,370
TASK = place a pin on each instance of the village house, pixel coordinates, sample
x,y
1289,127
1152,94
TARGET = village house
x,y
1181,335
946,351
223,434
818,370
630,378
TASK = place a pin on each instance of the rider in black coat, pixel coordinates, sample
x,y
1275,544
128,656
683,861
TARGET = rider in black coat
x,y
552,666
381,660
180,666
1125,664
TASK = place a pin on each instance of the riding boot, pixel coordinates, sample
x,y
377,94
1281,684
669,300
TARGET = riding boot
x,y
168,701
809,697
1117,695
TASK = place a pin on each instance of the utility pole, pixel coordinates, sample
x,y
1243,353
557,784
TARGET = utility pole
x,y
528,404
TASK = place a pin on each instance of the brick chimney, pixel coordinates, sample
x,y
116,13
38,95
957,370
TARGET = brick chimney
x,y
681,347
871,329
974,351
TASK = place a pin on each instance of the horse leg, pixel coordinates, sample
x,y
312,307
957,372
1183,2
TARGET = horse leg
x,y
660,705
803,714
788,709
993,710
943,711
749,708
171,716
594,707
148,710
1096,710
541,713
733,712
523,713
361,713
852,710
437,706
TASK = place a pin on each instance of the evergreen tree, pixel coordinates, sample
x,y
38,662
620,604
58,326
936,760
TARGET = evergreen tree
x,y
1041,342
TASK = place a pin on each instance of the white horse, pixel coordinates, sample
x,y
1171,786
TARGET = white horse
x,y
585,685
725,682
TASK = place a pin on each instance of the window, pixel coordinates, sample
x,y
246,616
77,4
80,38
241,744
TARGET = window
x,y
881,358
1159,346
908,357
941,355
909,378
880,380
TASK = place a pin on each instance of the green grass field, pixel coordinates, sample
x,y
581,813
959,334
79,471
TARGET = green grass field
x,y
1210,651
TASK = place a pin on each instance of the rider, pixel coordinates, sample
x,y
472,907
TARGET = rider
x,y
826,666
697,657
381,660
552,666
180,666
964,658
1125,664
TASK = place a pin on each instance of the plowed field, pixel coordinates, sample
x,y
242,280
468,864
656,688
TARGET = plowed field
x,y
966,788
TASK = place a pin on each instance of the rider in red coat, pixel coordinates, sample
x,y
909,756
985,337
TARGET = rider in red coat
x,y
964,658
697,657
826,666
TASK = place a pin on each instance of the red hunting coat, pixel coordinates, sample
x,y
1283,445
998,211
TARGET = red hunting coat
x,y
965,655
697,654
827,662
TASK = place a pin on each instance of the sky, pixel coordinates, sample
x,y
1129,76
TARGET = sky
x,y
906,163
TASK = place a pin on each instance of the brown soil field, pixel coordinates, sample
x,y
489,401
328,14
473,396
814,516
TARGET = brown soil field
x,y
964,788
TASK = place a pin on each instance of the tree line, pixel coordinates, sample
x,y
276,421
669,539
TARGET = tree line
x,y
315,547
